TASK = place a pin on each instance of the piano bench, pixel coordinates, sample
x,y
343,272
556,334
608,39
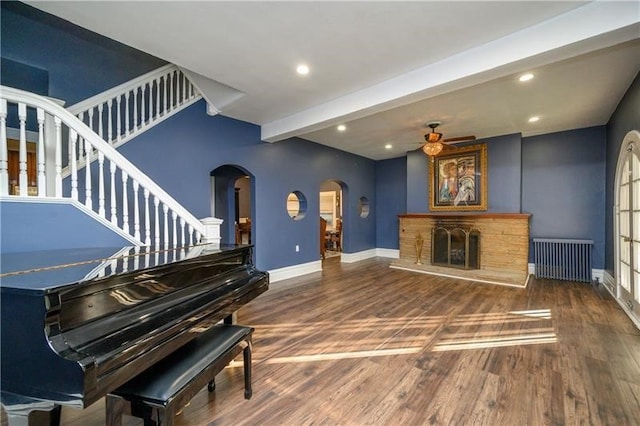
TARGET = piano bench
x,y
158,393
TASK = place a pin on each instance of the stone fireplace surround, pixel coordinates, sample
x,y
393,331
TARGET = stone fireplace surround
x,y
504,247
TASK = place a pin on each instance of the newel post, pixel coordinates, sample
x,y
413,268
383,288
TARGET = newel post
x,y
211,230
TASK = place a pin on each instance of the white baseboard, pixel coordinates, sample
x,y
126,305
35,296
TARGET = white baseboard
x,y
293,271
356,257
531,268
597,275
390,253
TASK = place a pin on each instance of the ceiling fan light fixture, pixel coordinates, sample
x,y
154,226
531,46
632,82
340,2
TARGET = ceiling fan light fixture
x,y
433,137
432,148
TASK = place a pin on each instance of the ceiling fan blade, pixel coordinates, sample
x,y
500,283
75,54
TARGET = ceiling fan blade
x,y
448,148
459,139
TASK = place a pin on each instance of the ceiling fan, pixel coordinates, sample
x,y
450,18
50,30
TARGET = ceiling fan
x,y
435,144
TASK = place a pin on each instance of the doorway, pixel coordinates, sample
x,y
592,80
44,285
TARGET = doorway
x,y
331,219
242,203
232,200
627,235
13,167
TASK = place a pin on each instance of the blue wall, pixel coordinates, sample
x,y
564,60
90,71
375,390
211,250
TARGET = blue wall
x,y
80,63
43,226
25,77
503,167
189,146
391,200
563,186
417,182
504,154
625,118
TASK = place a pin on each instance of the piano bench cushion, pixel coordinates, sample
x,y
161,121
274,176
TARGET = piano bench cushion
x,y
206,354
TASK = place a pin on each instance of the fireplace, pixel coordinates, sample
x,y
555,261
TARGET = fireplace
x,y
504,246
455,246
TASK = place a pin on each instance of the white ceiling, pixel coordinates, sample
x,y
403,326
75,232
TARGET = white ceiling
x,y
386,68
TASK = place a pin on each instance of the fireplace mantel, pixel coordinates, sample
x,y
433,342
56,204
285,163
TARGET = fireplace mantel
x,y
519,216
504,245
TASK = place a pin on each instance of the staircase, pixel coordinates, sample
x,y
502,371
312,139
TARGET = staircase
x,y
70,154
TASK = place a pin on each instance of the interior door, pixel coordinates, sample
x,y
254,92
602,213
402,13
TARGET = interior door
x,y
629,232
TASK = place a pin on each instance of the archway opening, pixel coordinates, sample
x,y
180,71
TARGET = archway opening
x,y
332,215
233,201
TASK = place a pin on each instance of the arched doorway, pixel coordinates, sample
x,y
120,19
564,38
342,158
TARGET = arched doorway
x,y
332,227
232,200
627,225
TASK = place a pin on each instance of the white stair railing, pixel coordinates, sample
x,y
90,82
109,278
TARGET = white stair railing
x,y
125,111
117,191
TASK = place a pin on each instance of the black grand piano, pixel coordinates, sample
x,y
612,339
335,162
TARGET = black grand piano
x,y
76,324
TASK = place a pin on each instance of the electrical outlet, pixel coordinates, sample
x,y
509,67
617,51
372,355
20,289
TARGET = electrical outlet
x,y
297,248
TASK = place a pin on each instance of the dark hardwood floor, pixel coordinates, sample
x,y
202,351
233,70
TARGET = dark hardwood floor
x,y
362,344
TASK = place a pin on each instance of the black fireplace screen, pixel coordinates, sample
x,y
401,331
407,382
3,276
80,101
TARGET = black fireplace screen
x,y
455,247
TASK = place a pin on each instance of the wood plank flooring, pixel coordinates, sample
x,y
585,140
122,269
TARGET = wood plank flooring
x,y
363,344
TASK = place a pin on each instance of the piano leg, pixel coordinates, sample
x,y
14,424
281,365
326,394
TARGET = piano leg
x,y
24,411
248,391
231,319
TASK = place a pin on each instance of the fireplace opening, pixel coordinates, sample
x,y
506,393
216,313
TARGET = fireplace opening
x,y
455,247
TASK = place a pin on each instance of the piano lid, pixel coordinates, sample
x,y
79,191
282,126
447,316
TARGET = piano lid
x,y
47,269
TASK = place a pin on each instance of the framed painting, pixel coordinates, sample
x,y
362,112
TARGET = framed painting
x,y
458,180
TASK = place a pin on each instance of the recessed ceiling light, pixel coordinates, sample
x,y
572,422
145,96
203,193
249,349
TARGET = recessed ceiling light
x,y
302,69
341,128
388,146
534,119
525,77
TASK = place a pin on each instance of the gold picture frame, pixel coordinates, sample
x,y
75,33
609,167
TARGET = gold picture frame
x,y
458,180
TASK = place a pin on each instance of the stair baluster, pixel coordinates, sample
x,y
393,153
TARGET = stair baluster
x,y
42,177
101,209
23,181
147,219
58,183
73,136
136,210
88,200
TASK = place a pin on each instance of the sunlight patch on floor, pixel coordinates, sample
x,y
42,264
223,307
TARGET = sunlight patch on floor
x,y
342,355
495,342
376,337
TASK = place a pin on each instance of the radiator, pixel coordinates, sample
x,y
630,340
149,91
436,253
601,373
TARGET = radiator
x,y
562,259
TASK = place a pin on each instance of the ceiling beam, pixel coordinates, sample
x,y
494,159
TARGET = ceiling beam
x,y
591,27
